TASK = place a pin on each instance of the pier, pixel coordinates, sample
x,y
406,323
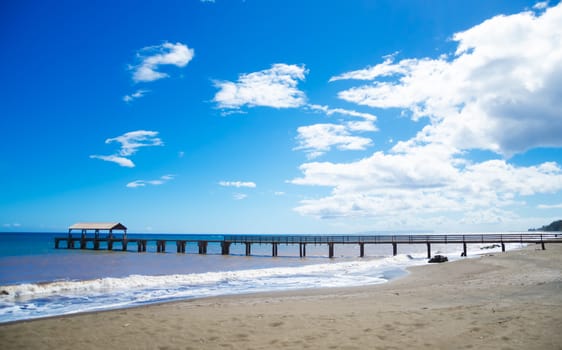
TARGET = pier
x,y
112,243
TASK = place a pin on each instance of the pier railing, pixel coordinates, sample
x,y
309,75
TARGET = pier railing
x,y
389,239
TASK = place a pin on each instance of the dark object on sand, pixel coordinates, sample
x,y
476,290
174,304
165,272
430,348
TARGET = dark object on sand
x,y
438,259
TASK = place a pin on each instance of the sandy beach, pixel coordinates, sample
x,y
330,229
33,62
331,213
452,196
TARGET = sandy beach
x,y
503,301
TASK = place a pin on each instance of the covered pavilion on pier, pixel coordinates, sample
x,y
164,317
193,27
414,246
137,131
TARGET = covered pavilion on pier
x,y
84,227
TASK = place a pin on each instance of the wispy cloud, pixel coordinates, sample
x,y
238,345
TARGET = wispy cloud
x,y
237,184
152,58
541,5
130,143
122,161
275,87
12,225
135,95
348,112
550,206
133,140
239,196
142,183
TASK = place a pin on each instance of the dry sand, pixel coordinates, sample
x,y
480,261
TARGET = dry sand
x,y
506,301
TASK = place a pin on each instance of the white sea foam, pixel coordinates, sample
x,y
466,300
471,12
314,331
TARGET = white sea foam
x,y
26,301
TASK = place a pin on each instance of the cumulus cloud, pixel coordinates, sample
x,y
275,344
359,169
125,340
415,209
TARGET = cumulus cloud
x,y
152,58
499,91
239,196
406,185
319,138
142,183
237,184
130,143
275,87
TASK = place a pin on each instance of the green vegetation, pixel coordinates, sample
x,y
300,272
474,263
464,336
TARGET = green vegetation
x,y
554,226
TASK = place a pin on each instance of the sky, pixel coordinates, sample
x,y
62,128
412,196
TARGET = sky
x,y
233,116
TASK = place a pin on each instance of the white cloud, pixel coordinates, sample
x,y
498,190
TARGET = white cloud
x,y
550,206
428,182
541,5
319,138
239,196
152,58
122,161
130,143
142,183
370,73
500,91
133,140
275,87
135,95
237,184
330,111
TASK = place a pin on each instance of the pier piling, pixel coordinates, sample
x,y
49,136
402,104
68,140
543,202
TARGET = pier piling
x,y
180,245
160,246
141,245
202,247
225,248
302,250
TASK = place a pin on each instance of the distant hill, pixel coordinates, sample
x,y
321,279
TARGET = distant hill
x,y
554,226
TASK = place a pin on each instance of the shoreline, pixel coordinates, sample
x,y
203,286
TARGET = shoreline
x,y
501,300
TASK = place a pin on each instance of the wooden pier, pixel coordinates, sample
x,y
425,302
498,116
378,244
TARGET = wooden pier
x,y
113,243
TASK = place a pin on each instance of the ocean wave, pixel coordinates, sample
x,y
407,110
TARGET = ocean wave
x,y
26,301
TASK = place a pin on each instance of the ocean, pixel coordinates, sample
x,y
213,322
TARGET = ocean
x,y
37,280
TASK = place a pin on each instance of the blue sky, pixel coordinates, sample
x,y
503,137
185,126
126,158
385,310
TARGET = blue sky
x,y
281,116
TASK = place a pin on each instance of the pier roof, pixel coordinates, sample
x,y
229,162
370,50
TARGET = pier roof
x,y
98,226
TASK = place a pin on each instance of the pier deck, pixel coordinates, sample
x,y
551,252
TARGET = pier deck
x,y
303,240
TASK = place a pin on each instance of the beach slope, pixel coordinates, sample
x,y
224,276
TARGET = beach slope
x,y
503,301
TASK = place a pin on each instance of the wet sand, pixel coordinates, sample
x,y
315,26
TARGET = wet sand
x,y
503,301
